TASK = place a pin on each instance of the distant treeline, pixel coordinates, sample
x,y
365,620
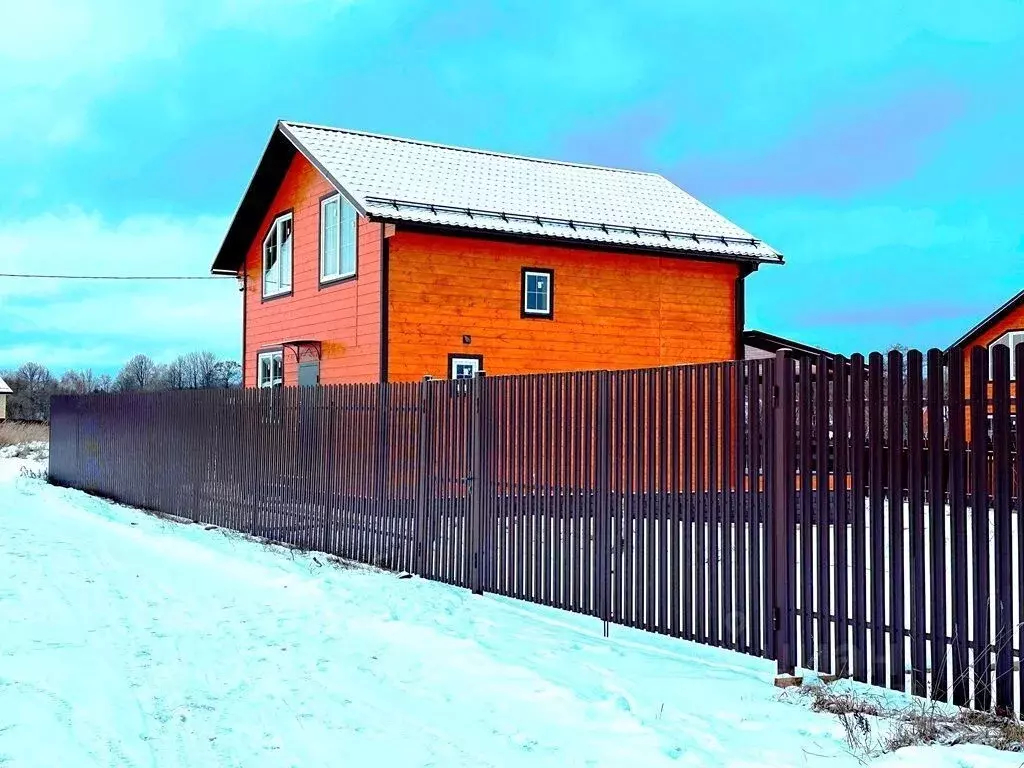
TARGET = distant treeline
x,y
34,384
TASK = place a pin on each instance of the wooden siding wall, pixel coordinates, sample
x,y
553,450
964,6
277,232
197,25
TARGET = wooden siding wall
x,y
611,310
345,316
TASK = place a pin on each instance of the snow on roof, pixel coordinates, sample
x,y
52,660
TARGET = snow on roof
x,y
415,181
4,389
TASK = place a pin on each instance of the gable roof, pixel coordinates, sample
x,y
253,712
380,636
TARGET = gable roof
x,y
4,389
995,317
401,180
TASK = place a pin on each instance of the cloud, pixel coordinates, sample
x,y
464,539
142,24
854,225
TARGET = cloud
x,y
102,323
848,150
60,58
863,276
623,141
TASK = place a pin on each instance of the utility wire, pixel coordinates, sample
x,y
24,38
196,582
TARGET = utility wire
x,y
119,277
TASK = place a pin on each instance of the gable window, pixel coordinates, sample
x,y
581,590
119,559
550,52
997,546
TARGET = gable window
x,y
538,292
1010,339
270,369
277,257
337,238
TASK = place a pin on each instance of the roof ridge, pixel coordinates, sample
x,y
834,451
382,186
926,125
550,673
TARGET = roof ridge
x,y
471,150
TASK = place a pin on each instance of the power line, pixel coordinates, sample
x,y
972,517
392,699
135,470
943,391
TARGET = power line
x,y
118,277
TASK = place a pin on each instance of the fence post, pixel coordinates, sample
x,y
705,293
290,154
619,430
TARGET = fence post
x,y
423,447
476,485
783,528
602,564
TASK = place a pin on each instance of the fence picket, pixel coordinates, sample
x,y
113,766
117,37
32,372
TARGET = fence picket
x,y
958,519
1001,490
980,528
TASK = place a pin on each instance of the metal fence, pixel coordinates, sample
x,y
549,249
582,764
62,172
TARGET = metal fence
x,y
832,514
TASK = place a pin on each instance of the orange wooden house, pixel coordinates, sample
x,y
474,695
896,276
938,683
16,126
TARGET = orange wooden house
x,y
367,258
1004,327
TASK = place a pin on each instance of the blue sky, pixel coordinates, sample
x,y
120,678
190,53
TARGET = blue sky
x,y
877,144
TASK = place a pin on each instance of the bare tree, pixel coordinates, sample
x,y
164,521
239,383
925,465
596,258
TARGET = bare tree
x,y
174,375
83,382
200,369
33,384
139,374
229,374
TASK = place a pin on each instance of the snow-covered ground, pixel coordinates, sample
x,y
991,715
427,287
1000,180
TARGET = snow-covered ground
x,y
127,640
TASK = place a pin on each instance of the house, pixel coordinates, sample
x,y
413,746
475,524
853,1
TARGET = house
x,y
366,258
758,345
1004,327
4,392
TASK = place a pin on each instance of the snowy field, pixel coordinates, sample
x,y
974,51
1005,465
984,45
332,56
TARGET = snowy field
x,y
127,640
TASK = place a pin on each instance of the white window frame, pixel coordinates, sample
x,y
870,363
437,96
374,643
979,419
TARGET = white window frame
x,y
1009,339
456,361
549,275
284,282
342,208
260,381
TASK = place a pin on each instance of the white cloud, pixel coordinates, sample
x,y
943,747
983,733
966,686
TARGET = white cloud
x,y
60,57
65,323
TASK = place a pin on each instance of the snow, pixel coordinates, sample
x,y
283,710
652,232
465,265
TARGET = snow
x,y
131,640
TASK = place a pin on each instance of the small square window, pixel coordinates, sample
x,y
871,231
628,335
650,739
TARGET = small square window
x,y
464,367
538,292
270,369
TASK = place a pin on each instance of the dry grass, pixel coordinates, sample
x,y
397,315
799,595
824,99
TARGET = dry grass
x,y
21,432
874,726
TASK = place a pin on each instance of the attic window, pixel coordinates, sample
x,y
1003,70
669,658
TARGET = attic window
x,y
277,257
337,238
1010,339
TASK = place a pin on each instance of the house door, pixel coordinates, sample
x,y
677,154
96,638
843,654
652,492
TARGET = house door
x,y
309,373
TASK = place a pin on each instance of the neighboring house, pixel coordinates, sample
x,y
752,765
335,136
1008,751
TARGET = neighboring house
x,y
1004,327
4,392
372,258
758,345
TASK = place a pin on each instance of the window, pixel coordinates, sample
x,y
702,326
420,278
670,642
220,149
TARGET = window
x,y
277,257
337,238
270,369
538,291
464,367
1010,339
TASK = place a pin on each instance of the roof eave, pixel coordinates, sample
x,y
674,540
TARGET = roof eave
x,y
407,224
259,193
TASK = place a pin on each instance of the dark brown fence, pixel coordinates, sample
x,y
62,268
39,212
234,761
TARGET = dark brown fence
x,y
832,514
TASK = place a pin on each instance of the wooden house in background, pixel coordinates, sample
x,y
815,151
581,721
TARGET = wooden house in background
x,y
1004,327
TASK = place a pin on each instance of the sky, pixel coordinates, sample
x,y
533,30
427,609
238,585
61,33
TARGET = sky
x,y
876,143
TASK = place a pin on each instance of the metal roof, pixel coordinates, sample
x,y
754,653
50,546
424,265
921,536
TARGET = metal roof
x,y
402,180
416,181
